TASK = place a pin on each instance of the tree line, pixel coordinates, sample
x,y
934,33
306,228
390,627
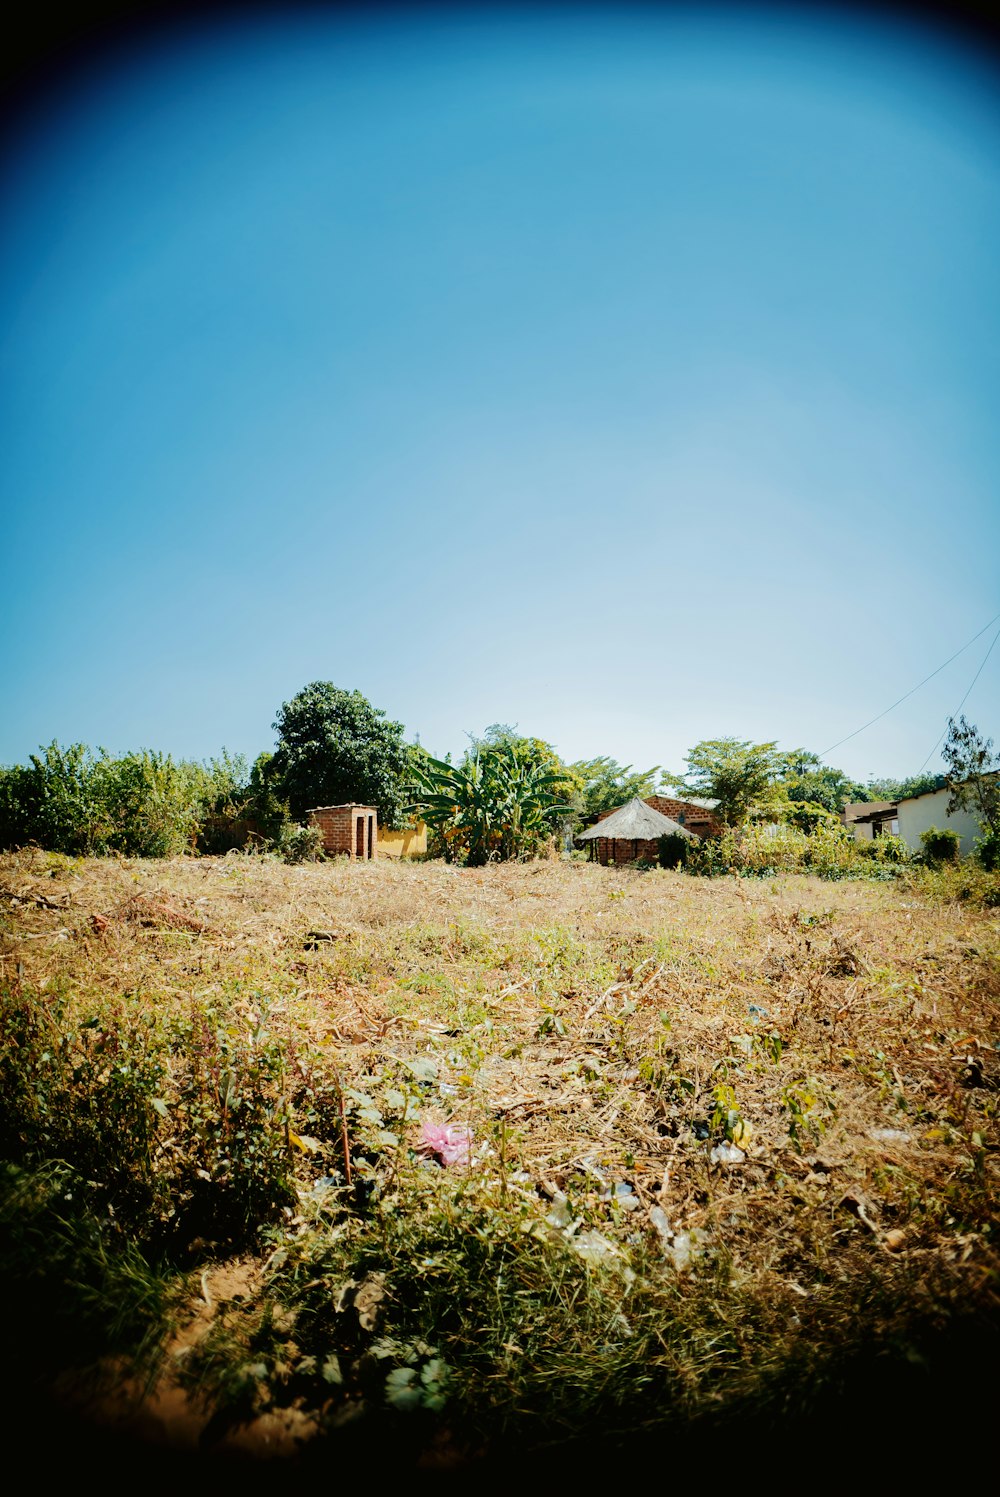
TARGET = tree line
x,y
506,797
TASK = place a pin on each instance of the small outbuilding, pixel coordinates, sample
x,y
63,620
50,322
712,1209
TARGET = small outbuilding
x,y
632,834
350,829
870,818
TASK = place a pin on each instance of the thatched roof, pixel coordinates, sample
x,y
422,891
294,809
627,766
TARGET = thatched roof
x,y
635,821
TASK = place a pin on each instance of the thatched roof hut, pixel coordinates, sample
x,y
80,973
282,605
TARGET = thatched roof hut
x,y
632,833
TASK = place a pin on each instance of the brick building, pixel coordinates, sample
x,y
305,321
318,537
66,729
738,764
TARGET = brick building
x,y
695,816
350,829
631,834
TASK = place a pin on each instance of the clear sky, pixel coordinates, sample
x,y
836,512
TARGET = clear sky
x,y
631,377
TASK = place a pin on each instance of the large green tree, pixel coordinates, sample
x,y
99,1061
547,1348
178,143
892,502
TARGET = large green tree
x,y
738,774
807,781
334,746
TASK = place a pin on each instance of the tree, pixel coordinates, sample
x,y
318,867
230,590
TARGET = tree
x,y
807,781
503,801
606,784
334,746
738,774
914,784
973,771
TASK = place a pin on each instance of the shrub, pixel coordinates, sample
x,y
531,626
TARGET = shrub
x,y
51,801
300,844
175,1131
966,881
885,849
228,1167
145,805
672,850
808,815
71,800
85,1093
988,851
940,846
142,804
762,849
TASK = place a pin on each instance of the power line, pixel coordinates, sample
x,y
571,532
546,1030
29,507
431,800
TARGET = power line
x,y
918,686
961,704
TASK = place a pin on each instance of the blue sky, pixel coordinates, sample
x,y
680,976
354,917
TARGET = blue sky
x,y
628,376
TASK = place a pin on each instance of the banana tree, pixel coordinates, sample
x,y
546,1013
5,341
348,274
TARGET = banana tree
x,y
494,806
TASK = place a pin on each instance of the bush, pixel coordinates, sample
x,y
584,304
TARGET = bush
x,y
940,846
84,1093
988,851
672,850
885,849
83,1290
228,1167
762,849
141,804
966,881
70,800
51,801
300,844
176,1130
144,805
808,815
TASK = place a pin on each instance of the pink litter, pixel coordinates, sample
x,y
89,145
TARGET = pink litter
x,y
449,1144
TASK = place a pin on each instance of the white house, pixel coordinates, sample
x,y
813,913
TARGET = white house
x,y
917,813
870,818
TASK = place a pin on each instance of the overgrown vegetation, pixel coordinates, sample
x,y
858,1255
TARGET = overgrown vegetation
x,y
143,804
494,1156
503,801
940,846
509,797
763,849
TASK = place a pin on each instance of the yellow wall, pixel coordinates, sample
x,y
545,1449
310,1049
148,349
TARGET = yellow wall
x,y
405,844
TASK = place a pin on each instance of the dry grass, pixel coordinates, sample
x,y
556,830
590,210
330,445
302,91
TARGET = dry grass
x,y
595,1030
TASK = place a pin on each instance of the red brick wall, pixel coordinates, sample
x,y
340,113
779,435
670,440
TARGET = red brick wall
x,y
696,818
626,850
339,825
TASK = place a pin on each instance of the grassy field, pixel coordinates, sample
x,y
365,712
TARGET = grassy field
x,y
720,1154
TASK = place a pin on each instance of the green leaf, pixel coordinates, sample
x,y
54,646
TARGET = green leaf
x,y
402,1389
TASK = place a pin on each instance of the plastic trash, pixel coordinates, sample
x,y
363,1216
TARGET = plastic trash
x,y
727,1153
560,1216
594,1247
685,1247
661,1222
448,1144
